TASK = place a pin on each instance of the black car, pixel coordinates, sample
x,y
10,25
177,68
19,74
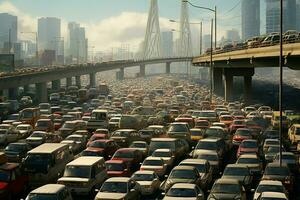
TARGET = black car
x,y
15,152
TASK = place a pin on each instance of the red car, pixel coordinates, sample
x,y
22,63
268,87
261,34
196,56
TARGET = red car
x,y
97,137
236,124
117,168
248,146
131,156
240,135
12,181
108,147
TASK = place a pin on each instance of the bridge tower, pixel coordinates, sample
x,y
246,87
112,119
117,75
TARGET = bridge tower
x,y
185,39
152,43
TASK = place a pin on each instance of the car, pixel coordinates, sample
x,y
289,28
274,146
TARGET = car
x,y
202,124
270,142
147,134
83,175
290,159
148,182
248,146
181,174
16,152
226,119
24,129
8,135
213,159
179,130
236,124
271,152
269,186
166,155
68,128
132,157
155,164
124,137
181,191
113,123
44,125
52,191
294,133
240,135
117,168
204,168
215,144
97,136
227,189
116,188
36,138
13,182
106,148
253,163
239,172
275,171
196,135
273,196
140,145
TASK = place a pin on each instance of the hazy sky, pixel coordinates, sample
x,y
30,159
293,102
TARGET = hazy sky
x,y
112,22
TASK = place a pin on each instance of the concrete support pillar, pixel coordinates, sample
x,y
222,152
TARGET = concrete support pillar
x,y
142,70
78,81
218,80
69,81
41,92
168,68
93,80
56,85
247,88
13,93
228,82
120,74
26,89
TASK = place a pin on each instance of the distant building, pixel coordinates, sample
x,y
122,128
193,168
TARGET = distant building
x,y
298,15
49,34
78,43
273,15
8,31
250,18
233,35
47,57
167,43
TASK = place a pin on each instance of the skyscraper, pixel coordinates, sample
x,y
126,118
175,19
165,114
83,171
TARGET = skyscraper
x,y
49,34
250,18
233,35
167,43
298,15
78,43
8,30
273,15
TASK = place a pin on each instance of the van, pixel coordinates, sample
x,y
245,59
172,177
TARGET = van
x,y
46,163
84,174
275,120
50,191
29,116
99,119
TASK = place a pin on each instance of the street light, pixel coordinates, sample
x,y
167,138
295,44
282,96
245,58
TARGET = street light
x,y
210,9
36,45
198,23
280,81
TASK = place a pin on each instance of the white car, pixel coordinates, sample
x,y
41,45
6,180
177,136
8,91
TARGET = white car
x,y
166,155
148,182
186,191
269,186
155,164
24,129
273,196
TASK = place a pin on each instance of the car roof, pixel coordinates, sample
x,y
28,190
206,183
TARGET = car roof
x,y
227,181
210,139
192,160
183,168
236,165
144,172
115,161
163,139
184,185
118,179
248,156
85,161
163,150
153,158
47,148
276,164
270,182
48,189
273,195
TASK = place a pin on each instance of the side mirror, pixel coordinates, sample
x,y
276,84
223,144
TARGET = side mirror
x,y
97,190
200,195
163,193
252,190
132,190
166,176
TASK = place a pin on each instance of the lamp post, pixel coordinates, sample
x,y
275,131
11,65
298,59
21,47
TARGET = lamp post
x,y
280,81
211,62
36,45
210,9
195,23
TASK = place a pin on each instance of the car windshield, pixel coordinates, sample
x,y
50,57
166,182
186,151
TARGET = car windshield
x,y
138,145
196,133
162,145
243,133
77,171
281,171
212,132
162,154
249,144
236,171
120,134
143,177
41,197
207,114
91,153
124,154
274,149
207,145
226,188
239,122
270,188
26,114
37,134
114,187
3,131
297,131
200,168
154,162
97,144
42,124
248,161
208,157
114,167
69,125
272,142
178,128
183,174
181,192
226,118
4,176
22,128
15,147
35,158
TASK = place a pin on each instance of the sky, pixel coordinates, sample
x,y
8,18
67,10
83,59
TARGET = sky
x,y
110,23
